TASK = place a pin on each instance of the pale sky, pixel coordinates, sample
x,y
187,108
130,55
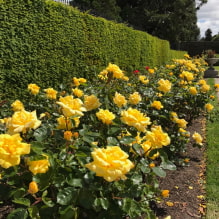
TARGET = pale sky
x,y
208,17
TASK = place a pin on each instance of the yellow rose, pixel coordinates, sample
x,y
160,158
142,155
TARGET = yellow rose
x,y
34,89
164,85
77,92
197,137
119,100
204,88
105,116
202,82
66,123
33,188
134,98
71,106
143,79
17,105
51,93
38,166
157,105
78,81
11,148
91,102
187,75
117,72
157,137
180,122
21,121
193,90
111,163
133,117
151,71
68,135
209,107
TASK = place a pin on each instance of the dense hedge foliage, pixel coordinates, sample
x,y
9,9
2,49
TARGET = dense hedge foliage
x,y
49,42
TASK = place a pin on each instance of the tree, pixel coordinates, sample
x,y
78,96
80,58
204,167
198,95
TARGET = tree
x,y
172,20
107,9
208,35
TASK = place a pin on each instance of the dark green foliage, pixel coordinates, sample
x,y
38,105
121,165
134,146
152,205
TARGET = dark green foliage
x,y
47,43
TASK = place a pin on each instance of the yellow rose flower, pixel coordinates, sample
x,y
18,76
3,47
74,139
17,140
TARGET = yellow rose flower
x,y
71,106
38,166
151,71
17,105
202,82
216,86
119,100
77,92
133,117
134,98
65,123
205,88
157,137
21,121
68,135
117,72
209,107
11,147
157,105
180,122
51,93
78,81
91,102
164,85
111,163
34,89
105,116
193,90
187,75
143,79
197,137
33,187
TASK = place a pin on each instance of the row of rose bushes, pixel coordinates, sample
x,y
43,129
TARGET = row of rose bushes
x,y
95,149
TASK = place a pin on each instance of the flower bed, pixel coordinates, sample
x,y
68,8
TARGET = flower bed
x,y
94,149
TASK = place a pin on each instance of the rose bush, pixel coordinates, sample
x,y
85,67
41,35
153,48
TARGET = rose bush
x,y
94,149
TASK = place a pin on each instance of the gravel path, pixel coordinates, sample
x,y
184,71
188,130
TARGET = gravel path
x,y
216,81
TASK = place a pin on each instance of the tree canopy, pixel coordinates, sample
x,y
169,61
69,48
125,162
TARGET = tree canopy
x,y
172,20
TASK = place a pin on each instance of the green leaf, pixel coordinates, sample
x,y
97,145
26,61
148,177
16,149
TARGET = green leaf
x,y
22,201
34,212
127,140
67,196
41,133
138,149
159,172
69,213
86,198
47,201
101,203
37,147
74,182
168,165
131,207
113,130
19,213
112,141
136,179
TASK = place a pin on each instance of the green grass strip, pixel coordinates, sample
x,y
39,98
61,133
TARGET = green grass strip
x,y
212,175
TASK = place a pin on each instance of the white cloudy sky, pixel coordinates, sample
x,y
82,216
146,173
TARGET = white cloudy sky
x,y
208,17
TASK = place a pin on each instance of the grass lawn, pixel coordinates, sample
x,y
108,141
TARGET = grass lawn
x,y
212,154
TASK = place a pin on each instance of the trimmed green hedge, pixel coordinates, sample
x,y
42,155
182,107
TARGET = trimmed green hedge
x,y
48,43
